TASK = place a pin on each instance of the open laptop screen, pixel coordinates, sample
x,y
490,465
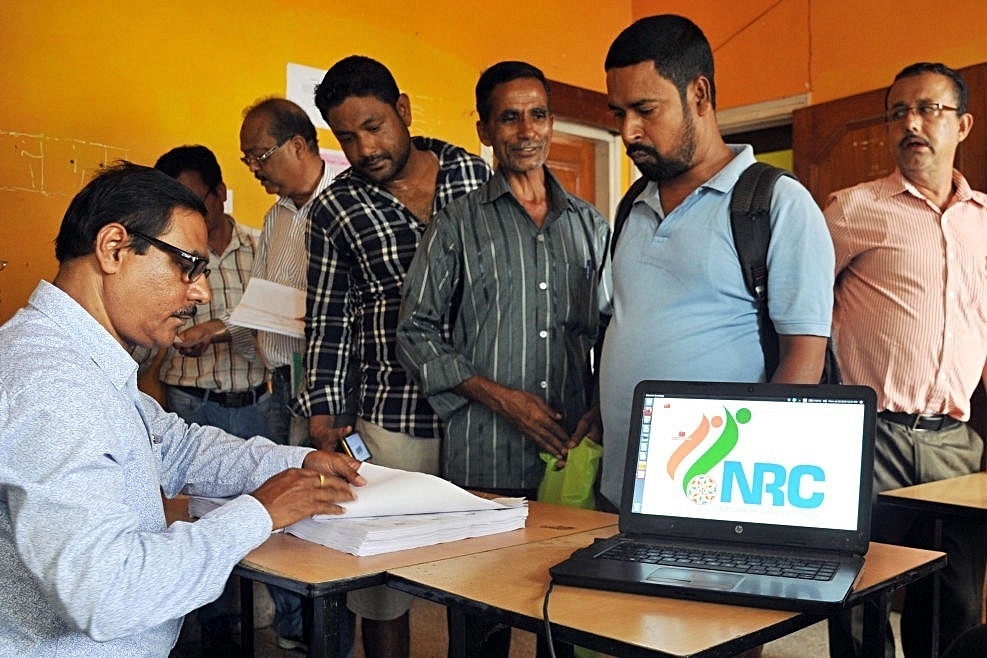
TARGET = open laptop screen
x,y
760,454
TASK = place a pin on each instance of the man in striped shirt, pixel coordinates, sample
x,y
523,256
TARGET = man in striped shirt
x,y
281,148
514,269
910,321
364,231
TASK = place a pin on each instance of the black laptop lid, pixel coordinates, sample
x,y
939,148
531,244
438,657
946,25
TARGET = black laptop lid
x,y
772,464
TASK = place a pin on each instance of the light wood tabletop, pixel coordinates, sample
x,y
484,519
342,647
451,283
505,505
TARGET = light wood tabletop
x,y
963,496
513,582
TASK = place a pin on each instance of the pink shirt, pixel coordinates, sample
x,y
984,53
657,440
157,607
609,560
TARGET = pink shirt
x,y
910,312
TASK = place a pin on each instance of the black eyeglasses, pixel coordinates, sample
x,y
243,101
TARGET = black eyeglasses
x,y
926,111
192,266
257,160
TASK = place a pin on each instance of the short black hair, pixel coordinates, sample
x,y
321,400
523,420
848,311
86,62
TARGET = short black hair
x,y
679,49
195,158
287,120
959,84
500,73
140,198
355,75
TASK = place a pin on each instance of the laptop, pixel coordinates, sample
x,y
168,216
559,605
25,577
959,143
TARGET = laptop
x,y
772,481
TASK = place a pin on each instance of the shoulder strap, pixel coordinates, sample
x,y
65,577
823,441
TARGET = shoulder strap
x,y
750,223
624,209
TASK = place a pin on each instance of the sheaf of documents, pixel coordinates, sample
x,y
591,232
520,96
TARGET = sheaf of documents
x,y
270,306
398,510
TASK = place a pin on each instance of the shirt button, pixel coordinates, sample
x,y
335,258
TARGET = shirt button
x,y
543,334
540,238
542,286
543,384
951,294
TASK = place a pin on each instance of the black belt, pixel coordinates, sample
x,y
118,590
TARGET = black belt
x,y
231,400
921,421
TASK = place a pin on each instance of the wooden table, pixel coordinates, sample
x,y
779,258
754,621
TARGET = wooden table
x,y
509,584
324,576
963,497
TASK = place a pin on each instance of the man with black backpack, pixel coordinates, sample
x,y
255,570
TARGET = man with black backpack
x,y
682,306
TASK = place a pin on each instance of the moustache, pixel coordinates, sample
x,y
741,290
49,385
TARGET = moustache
x,y
640,148
370,161
187,313
912,139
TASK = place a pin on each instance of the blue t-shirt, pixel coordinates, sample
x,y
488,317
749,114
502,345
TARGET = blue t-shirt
x,y
681,310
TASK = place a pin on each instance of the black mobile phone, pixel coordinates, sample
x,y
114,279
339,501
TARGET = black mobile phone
x,y
354,446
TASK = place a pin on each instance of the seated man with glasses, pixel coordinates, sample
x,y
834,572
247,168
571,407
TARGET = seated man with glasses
x,y
908,321
88,564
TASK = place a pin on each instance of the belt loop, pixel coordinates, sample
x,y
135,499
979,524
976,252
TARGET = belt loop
x,y
916,421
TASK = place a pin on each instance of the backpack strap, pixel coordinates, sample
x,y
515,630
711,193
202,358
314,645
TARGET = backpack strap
x,y
624,209
750,223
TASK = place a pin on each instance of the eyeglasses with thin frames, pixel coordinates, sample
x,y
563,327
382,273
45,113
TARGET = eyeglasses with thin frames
x,y
925,111
257,160
192,266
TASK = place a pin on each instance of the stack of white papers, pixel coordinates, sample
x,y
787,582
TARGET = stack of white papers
x,y
398,510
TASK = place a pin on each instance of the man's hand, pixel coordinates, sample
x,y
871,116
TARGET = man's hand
x,y
526,411
298,493
591,425
322,433
194,340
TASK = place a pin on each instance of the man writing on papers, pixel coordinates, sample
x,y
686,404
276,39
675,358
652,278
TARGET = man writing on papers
x,y
87,563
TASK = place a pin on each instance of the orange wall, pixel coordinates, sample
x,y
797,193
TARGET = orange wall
x,y
89,83
767,49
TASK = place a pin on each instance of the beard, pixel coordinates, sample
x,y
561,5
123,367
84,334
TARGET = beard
x,y
659,168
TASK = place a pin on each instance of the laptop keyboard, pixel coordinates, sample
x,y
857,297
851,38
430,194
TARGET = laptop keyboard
x,y
722,561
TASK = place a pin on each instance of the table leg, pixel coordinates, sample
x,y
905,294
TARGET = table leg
x,y
875,626
325,630
457,632
937,544
246,617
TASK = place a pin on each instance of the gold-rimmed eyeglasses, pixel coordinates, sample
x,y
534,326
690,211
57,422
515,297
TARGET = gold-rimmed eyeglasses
x,y
257,160
925,111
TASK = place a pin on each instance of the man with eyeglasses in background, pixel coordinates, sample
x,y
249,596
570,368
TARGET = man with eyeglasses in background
x,y
213,374
88,564
281,148
910,321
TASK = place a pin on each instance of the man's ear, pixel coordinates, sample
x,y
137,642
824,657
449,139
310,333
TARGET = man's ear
x,y
966,124
403,108
111,241
702,95
481,132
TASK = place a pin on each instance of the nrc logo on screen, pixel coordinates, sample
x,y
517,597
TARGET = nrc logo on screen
x,y
773,484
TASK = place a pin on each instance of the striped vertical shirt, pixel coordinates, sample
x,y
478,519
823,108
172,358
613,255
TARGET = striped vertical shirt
x,y
910,314
282,258
361,242
224,367
524,304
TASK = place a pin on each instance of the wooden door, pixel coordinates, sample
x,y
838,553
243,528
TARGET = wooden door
x,y
573,161
844,142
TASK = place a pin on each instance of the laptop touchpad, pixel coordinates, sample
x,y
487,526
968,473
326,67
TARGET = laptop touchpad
x,y
696,577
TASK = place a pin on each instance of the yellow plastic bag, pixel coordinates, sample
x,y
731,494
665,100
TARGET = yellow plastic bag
x,y
572,485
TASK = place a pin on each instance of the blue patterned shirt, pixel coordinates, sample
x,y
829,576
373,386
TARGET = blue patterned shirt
x,y
88,566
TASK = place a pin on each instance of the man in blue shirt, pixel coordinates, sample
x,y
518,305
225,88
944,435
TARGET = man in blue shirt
x,y
681,309
88,565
